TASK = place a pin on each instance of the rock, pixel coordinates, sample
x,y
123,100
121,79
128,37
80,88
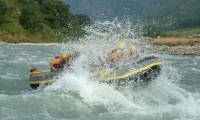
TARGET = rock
x,y
1,42
176,50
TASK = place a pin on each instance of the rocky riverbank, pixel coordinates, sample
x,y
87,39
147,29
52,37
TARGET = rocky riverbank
x,y
171,46
152,48
176,50
1,42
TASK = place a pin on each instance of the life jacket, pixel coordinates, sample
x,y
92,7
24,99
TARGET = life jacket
x,y
117,54
59,63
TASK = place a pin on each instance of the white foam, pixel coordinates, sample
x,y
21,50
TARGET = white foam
x,y
92,92
161,96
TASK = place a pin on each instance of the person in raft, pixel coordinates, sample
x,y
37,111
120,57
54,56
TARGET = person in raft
x,y
117,55
112,58
63,61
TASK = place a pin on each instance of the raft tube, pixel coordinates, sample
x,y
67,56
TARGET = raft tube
x,y
145,69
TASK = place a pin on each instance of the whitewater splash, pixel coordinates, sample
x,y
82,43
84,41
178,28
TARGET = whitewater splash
x,y
75,95
163,96
101,38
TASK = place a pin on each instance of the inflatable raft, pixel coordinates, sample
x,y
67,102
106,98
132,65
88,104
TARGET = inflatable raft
x,y
144,69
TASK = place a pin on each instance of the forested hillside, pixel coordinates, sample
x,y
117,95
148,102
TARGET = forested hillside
x,y
174,14
109,9
51,20
162,14
38,21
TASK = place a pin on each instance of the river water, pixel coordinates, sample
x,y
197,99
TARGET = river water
x,y
174,95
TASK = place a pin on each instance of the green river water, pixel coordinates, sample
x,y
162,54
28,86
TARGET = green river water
x,y
173,95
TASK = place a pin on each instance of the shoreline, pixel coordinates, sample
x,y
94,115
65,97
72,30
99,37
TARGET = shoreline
x,y
42,44
174,46
153,48
176,50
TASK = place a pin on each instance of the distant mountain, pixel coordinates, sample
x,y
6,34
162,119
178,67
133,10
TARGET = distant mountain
x,y
164,14
176,13
108,9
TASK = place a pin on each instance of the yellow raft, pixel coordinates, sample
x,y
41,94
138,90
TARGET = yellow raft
x,y
144,69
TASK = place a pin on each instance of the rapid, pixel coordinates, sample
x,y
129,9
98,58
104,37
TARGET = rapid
x,y
174,95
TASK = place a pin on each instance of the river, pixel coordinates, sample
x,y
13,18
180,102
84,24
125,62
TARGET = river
x,y
174,95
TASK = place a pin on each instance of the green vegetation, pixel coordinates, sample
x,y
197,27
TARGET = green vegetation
x,y
51,20
183,32
175,14
39,21
154,33
163,18
109,9
175,18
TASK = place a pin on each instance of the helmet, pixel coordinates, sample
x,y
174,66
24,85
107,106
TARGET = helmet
x,y
122,46
133,48
64,55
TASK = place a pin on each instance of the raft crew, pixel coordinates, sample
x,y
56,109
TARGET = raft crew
x,y
118,55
